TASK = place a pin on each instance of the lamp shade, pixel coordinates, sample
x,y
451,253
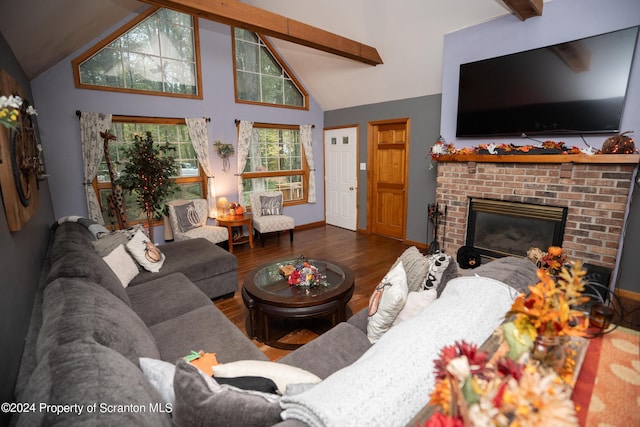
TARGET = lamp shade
x,y
223,203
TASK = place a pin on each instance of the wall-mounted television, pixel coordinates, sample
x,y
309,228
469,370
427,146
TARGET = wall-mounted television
x,y
572,88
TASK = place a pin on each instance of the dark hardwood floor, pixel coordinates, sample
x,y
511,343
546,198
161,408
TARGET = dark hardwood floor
x,y
369,256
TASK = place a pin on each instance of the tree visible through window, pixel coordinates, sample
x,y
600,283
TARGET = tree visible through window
x,y
276,161
157,54
261,76
190,181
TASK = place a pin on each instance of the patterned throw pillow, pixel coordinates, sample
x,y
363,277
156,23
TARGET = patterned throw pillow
x,y
145,252
271,205
187,216
386,302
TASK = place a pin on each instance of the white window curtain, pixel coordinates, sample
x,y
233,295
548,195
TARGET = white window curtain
x,y
245,130
306,139
91,124
200,140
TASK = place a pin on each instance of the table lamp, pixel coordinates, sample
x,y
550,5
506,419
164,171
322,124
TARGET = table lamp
x,y
223,206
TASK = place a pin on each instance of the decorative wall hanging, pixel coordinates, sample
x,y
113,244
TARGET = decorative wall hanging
x,y
21,165
224,151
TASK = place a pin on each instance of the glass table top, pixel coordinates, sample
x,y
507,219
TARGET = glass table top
x,y
271,280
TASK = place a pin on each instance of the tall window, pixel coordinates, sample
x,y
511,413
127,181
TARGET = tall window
x,y
156,54
190,181
261,76
276,161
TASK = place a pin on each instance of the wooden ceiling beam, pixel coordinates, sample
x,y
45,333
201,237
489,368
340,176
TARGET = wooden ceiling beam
x,y
235,13
525,9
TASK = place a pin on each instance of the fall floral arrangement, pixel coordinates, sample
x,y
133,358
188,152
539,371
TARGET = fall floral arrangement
x,y
305,275
470,391
522,387
552,260
10,109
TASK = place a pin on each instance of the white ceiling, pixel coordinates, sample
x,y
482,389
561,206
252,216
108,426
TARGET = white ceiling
x,y
408,35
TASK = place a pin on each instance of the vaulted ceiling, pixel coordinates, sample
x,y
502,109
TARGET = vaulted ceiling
x,y
408,35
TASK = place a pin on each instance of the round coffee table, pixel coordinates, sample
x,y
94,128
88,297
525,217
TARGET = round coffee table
x,y
269,298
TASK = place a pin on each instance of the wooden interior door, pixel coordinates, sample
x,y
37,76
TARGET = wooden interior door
x,y
388,161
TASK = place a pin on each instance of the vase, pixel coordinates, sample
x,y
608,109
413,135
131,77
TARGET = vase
x,y
550,351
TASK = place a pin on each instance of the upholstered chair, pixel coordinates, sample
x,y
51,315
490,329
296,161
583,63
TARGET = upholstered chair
x,y
188,219
266,208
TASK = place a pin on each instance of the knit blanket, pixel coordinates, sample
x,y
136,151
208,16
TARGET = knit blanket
x,y
391,382
96,229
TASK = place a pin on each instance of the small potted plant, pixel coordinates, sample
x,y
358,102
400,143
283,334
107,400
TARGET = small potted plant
x,y
224,151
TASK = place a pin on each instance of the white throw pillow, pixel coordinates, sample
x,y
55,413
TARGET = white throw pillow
x,y
122,265
279,373
386,302
160,375
416,301
145,252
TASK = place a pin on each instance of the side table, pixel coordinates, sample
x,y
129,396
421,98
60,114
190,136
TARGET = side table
x,y
231,221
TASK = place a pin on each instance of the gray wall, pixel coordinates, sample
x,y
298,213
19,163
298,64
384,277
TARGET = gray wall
x,y
490,39
21,257
424,113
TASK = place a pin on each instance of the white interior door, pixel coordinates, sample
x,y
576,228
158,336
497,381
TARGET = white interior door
x,y
341,183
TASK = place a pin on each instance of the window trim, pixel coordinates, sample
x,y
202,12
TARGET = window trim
x,y
201,177
305,166
282,63
118,33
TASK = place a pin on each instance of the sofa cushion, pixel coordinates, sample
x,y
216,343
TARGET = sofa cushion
x,y
166,298
386,302
85,373
179,336
121,263
74,309
88,265
340,346
201,401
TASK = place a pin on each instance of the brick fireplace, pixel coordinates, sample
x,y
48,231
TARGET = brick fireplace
x,y
594,189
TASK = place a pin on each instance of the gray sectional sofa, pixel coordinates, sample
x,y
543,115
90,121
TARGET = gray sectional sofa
x,y
88,333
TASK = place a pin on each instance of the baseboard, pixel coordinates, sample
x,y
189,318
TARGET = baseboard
x,y
623,293
310,225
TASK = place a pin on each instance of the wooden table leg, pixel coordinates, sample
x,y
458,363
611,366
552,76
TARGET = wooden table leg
x,y
230,228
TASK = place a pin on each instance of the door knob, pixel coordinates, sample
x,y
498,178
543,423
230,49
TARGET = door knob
x,y
351,188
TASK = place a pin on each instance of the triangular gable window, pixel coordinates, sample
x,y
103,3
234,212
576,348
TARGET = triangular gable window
x,y
154,54
261,76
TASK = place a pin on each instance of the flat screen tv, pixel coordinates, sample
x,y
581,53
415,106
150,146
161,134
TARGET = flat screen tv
x,y
577,87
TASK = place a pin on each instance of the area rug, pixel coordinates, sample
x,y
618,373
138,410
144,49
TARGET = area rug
x,y
607,392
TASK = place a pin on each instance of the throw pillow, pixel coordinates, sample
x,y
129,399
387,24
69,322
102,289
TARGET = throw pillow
x,y
122,265
187,217
279,373
438,263
416,301
386,302
106,243
416,266
145,252
160,375
271,205
201,401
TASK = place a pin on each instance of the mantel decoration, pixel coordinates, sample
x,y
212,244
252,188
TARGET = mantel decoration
x,y
529,383
224,151
148,174
303,274
619,144
21,163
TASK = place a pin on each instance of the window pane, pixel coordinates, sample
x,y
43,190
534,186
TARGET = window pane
x,y
248,86
246,35
247,59
272,90
156,55
292,95
268,64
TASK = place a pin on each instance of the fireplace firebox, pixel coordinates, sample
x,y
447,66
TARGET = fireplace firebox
x,y
498,228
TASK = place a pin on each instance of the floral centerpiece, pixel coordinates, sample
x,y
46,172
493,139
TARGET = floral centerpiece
x,y
305,275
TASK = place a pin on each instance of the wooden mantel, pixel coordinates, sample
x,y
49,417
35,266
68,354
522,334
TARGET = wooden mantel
x,y
542,158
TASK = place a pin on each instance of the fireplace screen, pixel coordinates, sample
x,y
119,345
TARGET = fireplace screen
x,y
498,228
